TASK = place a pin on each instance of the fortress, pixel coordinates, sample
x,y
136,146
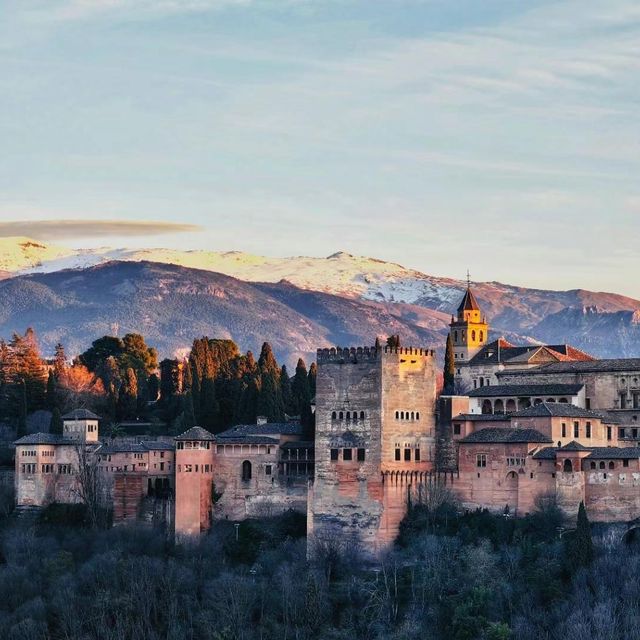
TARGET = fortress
x,y
527,422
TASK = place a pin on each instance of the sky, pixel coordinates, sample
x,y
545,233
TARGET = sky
x,y
498,136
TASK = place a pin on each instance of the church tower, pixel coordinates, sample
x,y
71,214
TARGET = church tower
x,y
469,331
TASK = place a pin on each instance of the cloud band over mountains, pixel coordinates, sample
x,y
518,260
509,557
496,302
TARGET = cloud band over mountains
x,y
69,229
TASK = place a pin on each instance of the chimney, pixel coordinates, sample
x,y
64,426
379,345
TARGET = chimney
x,y
261,420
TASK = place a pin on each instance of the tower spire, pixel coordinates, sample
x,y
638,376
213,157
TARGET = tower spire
x,y
468,279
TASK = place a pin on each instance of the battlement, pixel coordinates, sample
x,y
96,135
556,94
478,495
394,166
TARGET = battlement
x,y
364,354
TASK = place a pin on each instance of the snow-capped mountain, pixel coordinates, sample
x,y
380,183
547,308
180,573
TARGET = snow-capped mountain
x,y
533,315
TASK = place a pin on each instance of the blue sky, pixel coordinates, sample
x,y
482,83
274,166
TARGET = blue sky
x,y
499,136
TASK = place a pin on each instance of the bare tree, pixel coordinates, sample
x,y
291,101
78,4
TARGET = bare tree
x,y
89,486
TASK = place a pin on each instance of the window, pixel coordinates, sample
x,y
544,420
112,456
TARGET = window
x,y
361,455
473,335
362,415
416,455
588,429
347,454
621,432
407,455
402,415
162,466
397,415
481,460
515,461
246,470
602,465
341,415
457,429
334,454
593,465
481,336
625,463
608,433
397,454
333,415
623,400
267,470
576,429
588,403
417,415
612,465
564,430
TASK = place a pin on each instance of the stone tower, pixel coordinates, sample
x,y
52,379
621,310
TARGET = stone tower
x,y
195,450
375,442
469,330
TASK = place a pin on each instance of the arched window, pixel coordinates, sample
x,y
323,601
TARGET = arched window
x,y
355,416
455,336
333,415
413,415
602,465
417,415
348,415
246,470
341,415
402,415
481,336
612,465
473,336
397,415
567,467
593,464
362,415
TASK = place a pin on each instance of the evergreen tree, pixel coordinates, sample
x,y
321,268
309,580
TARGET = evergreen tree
x,y
56,425
270,396
51,394
300,390
60,362
28,368
153,387
208,404
378,344
579,544
393,341
290,406
313,372
169,379
188,414
21,408
449,368
128,395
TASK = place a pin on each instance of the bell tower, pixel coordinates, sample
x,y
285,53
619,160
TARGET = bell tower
x,y
469,330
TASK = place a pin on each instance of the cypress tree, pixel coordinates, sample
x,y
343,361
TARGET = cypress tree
x,y
270,395
60,362
288,400
580,545
128,398
208,404
21,409
188,415
51,391
393,341
313,372
300,389
153,387
449,368
56,425
378,345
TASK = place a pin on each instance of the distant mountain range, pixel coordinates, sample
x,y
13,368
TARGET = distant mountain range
x,y
296,303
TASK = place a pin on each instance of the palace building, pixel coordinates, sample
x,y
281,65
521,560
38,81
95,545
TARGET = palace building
x,y
528,423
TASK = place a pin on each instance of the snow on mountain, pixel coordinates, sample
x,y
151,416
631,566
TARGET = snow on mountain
x,y
340,273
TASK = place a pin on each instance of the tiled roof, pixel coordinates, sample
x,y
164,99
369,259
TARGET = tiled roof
x,y
266,429
196,433
574,446
242,439
501,435
45,438
80,414
548,453
298,444
121,447
615,453
158,445
469,302
593,366
502,351
559,410
514,390
483,417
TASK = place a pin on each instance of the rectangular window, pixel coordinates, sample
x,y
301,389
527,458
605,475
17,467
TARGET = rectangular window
x,y
621,432
162,466
564,430
407,455
360,455
397,454
267,470
416,455
576,429
347,454
334,454
587,403
623,400
481,460
608,433
457,427
625,463
588,429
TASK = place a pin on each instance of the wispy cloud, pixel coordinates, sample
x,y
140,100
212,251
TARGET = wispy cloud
x,y
70,229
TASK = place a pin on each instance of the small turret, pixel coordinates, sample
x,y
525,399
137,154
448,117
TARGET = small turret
x,y
469,331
